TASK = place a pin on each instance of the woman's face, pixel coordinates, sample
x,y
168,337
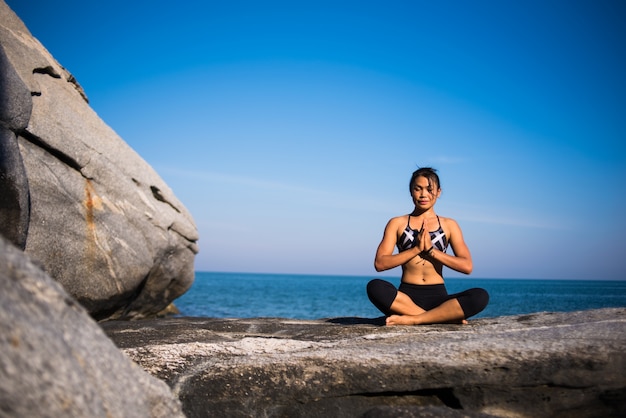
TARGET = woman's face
x,y
424,193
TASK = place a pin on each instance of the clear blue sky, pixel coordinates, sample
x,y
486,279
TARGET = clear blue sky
x,y
290,129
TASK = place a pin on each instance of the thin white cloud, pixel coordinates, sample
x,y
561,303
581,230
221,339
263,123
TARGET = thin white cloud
x,y
516,221
215,177
320,197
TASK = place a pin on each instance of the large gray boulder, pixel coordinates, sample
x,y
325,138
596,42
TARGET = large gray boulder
x,y
77,198
55,361
539,365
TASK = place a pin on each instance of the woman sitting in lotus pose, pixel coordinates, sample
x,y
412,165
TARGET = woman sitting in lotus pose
x,y
422,238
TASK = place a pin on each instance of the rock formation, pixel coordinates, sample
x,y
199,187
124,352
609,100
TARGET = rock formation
x,y
77,198
540,365
55,361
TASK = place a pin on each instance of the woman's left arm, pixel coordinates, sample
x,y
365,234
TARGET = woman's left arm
x,y
461,261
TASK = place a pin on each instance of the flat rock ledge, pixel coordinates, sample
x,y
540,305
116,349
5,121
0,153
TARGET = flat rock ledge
x,y
539,365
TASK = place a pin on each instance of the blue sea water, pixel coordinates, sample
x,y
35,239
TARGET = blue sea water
x,y
248,295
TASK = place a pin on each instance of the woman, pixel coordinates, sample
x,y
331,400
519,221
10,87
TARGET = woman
x,y
422,238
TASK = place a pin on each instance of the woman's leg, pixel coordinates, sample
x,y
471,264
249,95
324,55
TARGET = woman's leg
x,y
449,311
389,300
457,309
404,305
401,310
472,301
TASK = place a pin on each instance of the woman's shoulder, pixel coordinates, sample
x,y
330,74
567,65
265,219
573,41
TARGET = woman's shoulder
x,y
445,219
448,224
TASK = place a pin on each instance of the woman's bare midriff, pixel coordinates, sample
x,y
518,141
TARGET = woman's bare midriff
x,y
419,271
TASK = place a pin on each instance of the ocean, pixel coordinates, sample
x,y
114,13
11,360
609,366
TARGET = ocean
x,y
249,295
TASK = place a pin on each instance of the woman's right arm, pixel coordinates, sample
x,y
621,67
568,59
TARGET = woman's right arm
x,y
385,258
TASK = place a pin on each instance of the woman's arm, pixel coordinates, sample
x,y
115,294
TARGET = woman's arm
x,y
461,261
385,258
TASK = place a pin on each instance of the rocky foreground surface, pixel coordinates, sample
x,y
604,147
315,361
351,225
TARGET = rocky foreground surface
x,y
539,365
55,361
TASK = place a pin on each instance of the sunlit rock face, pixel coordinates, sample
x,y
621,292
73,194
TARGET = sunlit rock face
x,y
77,198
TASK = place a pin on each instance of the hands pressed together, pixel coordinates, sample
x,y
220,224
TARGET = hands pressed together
x,y
424,243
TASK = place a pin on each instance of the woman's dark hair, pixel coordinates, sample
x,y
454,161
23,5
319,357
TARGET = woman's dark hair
x,y
430,174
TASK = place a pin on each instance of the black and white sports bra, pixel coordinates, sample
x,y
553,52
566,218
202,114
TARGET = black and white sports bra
x,y
408,238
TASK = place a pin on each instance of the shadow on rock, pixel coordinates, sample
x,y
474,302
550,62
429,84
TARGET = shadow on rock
x,y
354,320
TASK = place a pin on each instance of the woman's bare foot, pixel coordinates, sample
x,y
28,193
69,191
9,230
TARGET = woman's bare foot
x,y
401,320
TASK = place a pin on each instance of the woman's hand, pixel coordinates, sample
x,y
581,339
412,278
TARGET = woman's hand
x,y
425,243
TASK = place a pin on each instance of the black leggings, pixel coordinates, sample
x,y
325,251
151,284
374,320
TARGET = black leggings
x,y
428,296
